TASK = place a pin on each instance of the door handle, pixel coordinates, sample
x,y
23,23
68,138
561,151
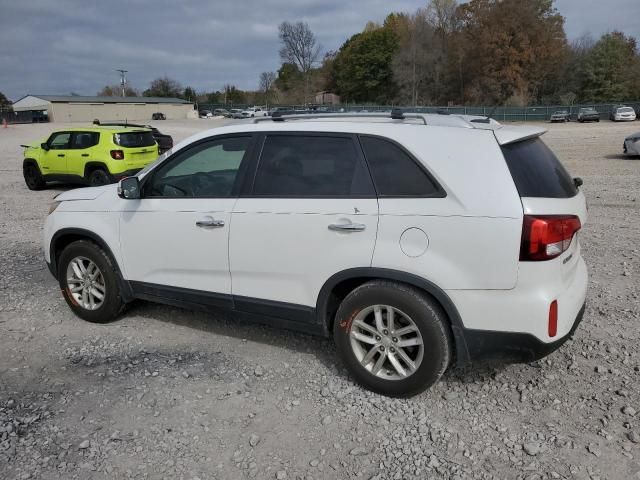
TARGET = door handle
x,y
347,227
85,154
210,222
61,154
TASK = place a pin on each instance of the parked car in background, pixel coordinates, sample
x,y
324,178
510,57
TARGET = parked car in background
x,y
622,114
94,155
404,295
559,116
631,145
164,141
158,116
588,115
237,113
255,112
205,114
221,112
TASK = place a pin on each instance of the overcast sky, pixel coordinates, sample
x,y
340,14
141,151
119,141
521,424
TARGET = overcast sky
x,y
63,46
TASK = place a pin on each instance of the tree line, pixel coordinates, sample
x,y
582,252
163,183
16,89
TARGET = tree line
x,y
481,52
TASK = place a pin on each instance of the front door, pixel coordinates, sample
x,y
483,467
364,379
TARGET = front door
x,y
177,234
312,212
54,160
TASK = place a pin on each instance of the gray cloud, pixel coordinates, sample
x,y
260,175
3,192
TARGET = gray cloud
x,y
59,46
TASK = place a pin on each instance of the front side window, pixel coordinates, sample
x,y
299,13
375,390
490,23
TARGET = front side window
x,y
395,173
311,166
206,170
59,141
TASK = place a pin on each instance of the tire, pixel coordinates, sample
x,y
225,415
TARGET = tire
x,y
105,282
33,177
98,177
430,327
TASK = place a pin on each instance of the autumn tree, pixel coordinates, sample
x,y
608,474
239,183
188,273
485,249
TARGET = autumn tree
x,y
267,80
300,48
164,87
512,49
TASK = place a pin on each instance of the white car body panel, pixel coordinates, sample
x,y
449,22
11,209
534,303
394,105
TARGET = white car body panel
x,y
161,243
283,250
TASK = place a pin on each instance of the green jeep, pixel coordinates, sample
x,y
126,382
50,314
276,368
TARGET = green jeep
x,y
95,155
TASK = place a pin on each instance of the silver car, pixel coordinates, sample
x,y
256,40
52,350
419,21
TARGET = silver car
x,y
623,114
631,145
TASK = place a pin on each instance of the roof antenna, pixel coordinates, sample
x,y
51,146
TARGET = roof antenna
x,y
486,119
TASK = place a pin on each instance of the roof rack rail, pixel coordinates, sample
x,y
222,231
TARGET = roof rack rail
x,y
396,114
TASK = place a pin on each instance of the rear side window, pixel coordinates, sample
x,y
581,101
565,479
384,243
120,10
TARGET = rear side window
x,y
85,139
395,173
536,171
311,166
134,139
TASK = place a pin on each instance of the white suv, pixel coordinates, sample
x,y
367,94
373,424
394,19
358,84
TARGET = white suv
x,y
417,241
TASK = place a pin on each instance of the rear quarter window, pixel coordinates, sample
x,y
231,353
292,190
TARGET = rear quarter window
x,y
536,171
134,139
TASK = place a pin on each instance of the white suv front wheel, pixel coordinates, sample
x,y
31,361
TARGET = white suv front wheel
x,y
393,338
89,282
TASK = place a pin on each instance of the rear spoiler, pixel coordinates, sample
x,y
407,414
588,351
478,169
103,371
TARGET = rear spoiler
x,y
511,134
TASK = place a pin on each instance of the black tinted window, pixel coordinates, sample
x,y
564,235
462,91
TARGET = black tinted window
x,y
536,171
311,166
395,173
134,139
85,139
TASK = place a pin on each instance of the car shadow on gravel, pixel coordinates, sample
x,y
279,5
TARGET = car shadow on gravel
x,y
239,326
621,156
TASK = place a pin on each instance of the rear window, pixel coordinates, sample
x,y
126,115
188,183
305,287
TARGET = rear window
x,y
536,171
134,139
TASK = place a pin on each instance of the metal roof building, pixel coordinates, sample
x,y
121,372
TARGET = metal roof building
x,y
76,108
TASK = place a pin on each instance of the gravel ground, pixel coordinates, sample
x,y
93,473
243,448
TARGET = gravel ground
x,y
168,393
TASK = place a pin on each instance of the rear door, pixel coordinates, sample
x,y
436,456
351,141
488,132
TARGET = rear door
x,y
311,212
81,151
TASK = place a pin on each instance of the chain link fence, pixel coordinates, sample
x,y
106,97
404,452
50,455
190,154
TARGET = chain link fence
x,y
502,114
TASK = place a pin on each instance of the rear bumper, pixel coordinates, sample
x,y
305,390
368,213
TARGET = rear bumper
x,y
484,345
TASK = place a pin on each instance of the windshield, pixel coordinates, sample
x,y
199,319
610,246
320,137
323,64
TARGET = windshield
x,y
625,110
157,161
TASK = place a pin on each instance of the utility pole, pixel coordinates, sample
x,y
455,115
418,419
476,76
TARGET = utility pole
x,y
123,79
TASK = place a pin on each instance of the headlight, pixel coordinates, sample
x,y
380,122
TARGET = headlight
x,y
53,206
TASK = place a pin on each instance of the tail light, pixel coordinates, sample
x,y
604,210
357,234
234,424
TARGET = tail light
x,y
546,236
117,154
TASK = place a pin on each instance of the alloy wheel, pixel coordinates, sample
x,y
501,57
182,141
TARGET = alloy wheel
x,y
85,283
386,342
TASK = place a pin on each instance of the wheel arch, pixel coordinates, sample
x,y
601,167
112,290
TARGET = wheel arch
x,y
30,161
64,237
94,165
341,283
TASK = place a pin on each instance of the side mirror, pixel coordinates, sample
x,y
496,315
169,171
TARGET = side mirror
x,y
577,181
44,146
129,188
